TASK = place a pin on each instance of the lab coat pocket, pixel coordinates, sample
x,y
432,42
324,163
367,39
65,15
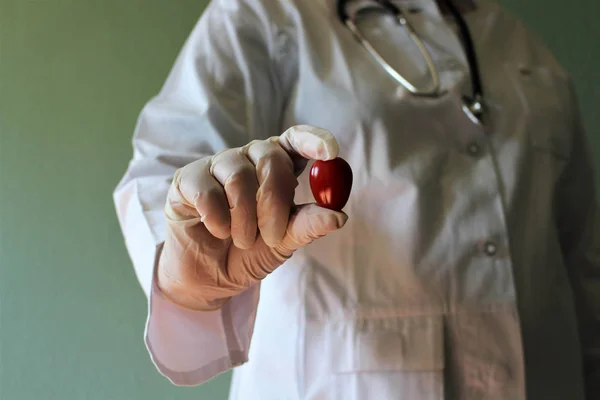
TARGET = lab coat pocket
x,y
542,117
389,358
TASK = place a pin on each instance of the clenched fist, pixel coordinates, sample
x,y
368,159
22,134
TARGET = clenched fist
x,y
231,218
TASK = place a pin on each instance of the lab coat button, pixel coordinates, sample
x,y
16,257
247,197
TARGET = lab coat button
x,y
474,149
490,248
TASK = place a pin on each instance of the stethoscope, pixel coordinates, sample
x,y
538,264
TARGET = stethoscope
x,y
472,106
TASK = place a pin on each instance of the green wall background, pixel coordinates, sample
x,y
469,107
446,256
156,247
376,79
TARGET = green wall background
x,y
73,77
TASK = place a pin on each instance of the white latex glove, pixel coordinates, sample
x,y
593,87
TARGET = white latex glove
x,y
231,219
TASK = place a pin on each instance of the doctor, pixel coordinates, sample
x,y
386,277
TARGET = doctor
x,y
466,264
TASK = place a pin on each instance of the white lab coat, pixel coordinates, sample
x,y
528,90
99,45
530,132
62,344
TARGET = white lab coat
x,y
470,259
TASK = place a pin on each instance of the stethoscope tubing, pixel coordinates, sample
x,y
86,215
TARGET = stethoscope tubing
x,y
473,106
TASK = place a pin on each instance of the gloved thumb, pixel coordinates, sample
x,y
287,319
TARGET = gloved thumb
x,y
307,223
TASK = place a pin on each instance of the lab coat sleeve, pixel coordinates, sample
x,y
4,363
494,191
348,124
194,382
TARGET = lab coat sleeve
x,y
579,227
222,92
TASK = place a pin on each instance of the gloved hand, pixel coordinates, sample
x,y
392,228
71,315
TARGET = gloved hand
x,y
231,218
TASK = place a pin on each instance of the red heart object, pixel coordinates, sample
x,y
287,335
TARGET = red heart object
x,y
331,183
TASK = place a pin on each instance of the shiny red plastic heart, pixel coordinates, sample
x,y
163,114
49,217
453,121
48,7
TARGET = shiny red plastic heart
x,y
331,183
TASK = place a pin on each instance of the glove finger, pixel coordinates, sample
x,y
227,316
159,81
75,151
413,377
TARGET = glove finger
x,y
308,223
307,142
237,174
195,193
277,183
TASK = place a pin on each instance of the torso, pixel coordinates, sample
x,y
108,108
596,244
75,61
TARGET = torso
x,y
433,290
